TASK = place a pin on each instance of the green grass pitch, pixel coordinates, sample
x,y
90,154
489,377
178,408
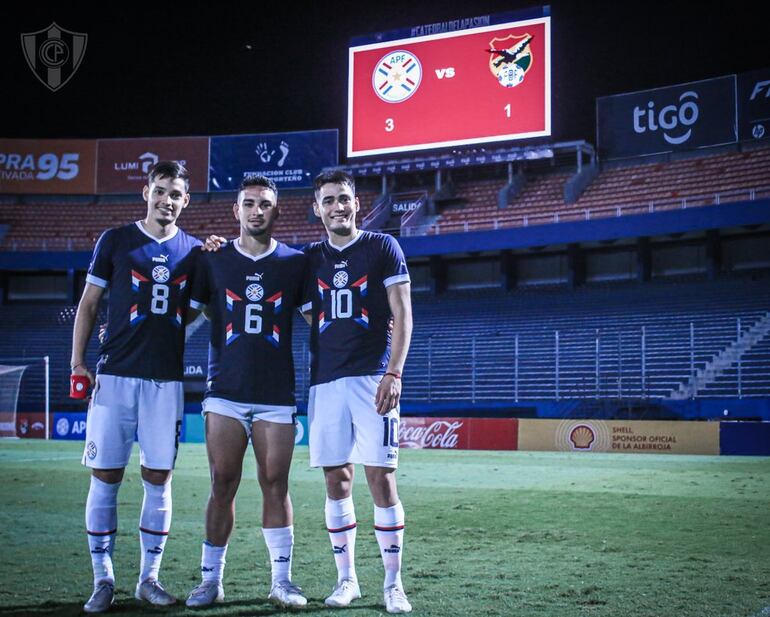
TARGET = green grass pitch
x,y
488,533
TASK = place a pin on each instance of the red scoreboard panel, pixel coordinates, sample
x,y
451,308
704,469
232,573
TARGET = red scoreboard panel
x,y
484,84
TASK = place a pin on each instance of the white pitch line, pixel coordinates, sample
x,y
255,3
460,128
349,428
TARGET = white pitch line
x,y
41,459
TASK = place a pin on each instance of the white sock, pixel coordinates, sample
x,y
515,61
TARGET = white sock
x,y
389,529
101,526
213,562
154,524
280,544
341,523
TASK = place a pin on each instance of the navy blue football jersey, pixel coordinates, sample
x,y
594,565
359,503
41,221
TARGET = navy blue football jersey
x,y
346,292
251,303
149,284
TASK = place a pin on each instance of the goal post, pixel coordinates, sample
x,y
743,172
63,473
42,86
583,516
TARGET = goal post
x,y
25,393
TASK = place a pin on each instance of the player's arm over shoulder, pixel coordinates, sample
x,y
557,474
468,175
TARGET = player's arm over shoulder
x,y
200,292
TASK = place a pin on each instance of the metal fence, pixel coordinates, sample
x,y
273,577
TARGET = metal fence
x,y
679,359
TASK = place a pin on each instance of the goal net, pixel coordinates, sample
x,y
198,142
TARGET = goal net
x,y
24,397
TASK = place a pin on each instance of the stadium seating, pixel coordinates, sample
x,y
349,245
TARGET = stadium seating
x,y
77,226
646,340
636,189
700,181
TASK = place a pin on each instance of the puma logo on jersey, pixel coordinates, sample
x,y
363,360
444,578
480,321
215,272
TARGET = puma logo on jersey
x,y
257,276
162,259
342,264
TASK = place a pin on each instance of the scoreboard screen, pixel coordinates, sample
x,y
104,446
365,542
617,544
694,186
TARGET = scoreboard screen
x,y
482,84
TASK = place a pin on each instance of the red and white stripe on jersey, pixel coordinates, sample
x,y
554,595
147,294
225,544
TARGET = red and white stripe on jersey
x,y
134,317
230,297
275,337
137,278
275,299
364,319
361,284
229,335
181,281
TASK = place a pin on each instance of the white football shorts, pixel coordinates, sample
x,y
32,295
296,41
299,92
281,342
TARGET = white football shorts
x,y
247,414
124,407
344,426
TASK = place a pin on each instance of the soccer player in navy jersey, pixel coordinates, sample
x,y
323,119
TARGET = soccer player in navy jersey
x,y
250,289
146,266
357,280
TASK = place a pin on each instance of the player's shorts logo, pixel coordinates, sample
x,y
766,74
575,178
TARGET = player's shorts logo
x,y
255,292
91,450
161,274
340,279
510,59
397,76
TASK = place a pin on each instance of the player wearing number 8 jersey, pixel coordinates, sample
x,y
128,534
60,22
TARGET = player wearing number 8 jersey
x,y
357,280
147,267
250,289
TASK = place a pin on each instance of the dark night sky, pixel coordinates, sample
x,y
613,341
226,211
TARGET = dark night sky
x,y
156,72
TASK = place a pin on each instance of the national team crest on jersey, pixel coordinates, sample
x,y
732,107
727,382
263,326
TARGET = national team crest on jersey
x,y
161,274
136,279
510,59
254,292
397,76
340,279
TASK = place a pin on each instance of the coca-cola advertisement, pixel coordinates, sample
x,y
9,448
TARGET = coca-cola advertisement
x,y
459,433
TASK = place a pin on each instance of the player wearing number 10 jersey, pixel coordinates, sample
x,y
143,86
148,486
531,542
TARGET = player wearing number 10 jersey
x,y
357,280
147,268
250,290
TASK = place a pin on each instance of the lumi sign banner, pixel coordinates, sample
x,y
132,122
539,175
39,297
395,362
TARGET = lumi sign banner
x,y
682,117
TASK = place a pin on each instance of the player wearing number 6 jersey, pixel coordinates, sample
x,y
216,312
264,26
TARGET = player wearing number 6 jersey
x,y
147,268
357,280
250,289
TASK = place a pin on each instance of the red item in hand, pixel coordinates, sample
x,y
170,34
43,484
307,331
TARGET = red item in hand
x,y
79,386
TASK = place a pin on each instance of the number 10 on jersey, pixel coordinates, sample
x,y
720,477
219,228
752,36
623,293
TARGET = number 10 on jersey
x,y
342,303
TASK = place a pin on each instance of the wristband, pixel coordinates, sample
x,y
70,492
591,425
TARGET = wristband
x,y
395,374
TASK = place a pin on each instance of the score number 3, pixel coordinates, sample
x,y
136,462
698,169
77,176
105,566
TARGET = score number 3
x,y
389,125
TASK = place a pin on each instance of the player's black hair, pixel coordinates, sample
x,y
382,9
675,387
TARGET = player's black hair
x,y
169,169
336,176
258,180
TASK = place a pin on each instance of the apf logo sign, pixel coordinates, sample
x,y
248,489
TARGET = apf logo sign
x,y
69,425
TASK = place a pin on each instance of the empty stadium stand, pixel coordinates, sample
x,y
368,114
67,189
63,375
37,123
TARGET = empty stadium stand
x,y
660,340
75,223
